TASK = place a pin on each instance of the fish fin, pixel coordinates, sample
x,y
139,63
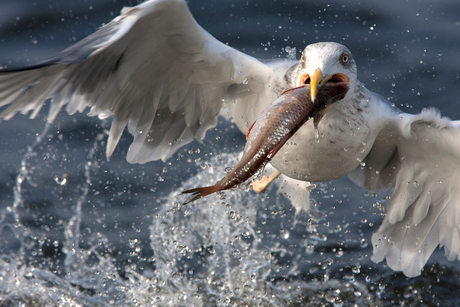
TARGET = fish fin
x,y
249,131
317,119
275,149
199,193
319,115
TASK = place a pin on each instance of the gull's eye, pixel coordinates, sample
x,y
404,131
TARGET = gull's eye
x,y
344,58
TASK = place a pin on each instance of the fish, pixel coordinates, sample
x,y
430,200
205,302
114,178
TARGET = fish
x,y
271,130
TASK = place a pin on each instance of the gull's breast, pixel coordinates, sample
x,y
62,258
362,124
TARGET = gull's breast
x,y
343,142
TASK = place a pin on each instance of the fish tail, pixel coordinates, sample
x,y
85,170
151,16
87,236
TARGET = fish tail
x,y
200,192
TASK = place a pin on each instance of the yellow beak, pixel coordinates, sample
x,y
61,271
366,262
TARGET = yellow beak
x,y
316,82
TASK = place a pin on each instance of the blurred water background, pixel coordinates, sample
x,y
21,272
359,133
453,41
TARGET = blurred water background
x,y
77,230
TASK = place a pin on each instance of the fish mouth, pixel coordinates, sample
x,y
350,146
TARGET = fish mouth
x,y
318,80
306,80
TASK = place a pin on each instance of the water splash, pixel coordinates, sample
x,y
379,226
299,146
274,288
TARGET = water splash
x,y
291,53
10,217
238,249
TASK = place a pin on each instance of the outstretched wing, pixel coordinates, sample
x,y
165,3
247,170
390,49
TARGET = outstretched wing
x,y
153,68
420,156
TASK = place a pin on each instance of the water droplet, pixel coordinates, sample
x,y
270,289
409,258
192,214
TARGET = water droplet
x,y
211,250
363,243
316,135
291,52
233,215
188,212
338,303
62,181
286,234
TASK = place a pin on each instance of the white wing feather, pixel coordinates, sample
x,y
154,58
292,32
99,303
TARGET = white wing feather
x,y
153,68
418,155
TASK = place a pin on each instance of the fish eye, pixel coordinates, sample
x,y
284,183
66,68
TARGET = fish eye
x,y
344,58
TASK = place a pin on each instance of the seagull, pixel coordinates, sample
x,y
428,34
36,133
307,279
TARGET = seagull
x,y
156,71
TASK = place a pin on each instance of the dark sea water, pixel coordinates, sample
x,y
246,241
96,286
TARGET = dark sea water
x,y
77,230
